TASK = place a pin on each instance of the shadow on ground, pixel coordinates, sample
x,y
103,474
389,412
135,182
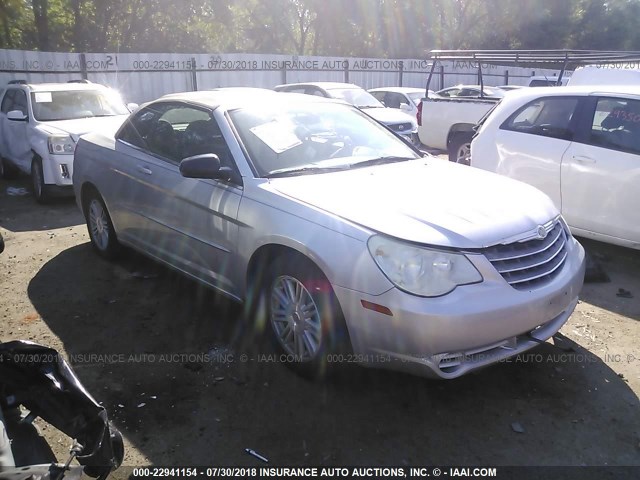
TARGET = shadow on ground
x,y
138,345
617,283
16,215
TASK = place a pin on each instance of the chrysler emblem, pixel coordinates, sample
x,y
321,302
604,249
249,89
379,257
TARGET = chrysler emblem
x,y
542,232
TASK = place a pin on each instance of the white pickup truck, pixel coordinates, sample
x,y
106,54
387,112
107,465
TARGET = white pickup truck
x,y
447,123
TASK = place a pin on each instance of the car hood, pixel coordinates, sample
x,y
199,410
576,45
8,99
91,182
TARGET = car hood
x,y
80,126
427,201
389,115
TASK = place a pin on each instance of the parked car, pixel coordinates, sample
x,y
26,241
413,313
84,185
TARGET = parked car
x,y
406,99
548,81
40,125
509,87
339,235
619,73
1,243
400,122
472,91
579,145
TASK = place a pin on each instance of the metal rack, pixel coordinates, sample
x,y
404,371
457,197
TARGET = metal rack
x,y
560,59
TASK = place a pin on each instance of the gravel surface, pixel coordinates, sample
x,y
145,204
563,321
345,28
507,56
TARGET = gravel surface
x,y
187,384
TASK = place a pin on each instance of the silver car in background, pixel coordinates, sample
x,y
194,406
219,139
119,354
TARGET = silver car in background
x,y
345,241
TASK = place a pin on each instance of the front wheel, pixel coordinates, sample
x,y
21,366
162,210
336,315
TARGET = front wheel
x,y
37,178
101,232
303,312
460,148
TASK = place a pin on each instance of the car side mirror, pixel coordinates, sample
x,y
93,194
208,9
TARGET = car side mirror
x,y
16,116
405,107
132,107
201,166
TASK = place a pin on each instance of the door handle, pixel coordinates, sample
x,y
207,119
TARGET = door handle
x,y
143,169
584,159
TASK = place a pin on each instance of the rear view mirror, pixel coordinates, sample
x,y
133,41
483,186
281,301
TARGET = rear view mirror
x,y
201,166
405,107
16,116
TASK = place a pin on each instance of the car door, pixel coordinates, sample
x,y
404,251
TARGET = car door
x,y
188,223
15,142
532,141
601,170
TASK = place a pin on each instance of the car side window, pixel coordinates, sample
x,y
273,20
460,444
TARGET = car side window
x,y
20,101
393,100
378,96
7,101
294,90
452,92
548,117
177,131
616,125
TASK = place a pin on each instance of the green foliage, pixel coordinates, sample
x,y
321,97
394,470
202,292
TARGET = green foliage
x,y
372,28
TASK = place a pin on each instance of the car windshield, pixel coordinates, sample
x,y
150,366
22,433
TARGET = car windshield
x,y
70,104
314,138
356,96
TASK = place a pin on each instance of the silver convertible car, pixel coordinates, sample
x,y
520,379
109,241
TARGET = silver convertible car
x,y
347,243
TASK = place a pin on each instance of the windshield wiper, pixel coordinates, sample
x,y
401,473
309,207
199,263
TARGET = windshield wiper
x,y
286,172
380,161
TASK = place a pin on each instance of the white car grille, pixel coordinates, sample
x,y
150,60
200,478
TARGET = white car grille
x,y
401,127
531,263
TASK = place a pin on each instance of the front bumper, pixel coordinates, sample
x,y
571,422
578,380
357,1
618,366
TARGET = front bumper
x,y
58,170
469,328
411,137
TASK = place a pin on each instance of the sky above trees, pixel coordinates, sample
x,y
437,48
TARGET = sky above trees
x,y
362,28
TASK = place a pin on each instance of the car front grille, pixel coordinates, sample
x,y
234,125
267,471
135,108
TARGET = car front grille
x,y
531,263
401,127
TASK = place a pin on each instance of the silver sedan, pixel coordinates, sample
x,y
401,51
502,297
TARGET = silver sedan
x,y
342,239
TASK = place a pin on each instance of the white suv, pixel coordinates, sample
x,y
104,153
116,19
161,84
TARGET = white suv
x,y
40,125
579,145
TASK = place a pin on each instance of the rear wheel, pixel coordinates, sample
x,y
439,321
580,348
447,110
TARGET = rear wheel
x,y
305,319
101,231
37,178
460,148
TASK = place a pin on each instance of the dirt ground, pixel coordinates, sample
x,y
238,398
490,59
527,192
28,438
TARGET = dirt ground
x,y
185,386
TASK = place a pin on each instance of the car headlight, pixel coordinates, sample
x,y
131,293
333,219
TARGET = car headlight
x,y
421,271
61,145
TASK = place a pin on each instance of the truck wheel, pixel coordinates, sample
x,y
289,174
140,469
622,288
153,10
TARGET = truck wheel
x,y
460,148
37,178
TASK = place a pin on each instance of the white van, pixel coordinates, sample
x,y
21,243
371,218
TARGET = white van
x,y
607,74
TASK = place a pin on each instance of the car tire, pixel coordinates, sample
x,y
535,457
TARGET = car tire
x,y
305,320
40,191
101,232
460,148
7,171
